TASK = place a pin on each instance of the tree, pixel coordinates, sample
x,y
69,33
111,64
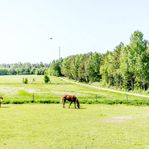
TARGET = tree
x,y
137,58
93,67
55,68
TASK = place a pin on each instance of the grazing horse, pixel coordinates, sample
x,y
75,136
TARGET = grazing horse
x,y
1,99
71,99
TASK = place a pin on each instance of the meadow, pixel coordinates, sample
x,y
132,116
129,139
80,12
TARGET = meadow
x,y
41,124
36,91
93,126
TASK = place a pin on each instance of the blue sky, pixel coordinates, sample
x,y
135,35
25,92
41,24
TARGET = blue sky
x,y
77,26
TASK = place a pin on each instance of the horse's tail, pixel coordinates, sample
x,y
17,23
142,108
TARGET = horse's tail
x,y
78,103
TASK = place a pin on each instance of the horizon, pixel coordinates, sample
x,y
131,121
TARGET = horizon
x,y
32,31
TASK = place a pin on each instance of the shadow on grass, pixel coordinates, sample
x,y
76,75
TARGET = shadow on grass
x,y
82,108
72,108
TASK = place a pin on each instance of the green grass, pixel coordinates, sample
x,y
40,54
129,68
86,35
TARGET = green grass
x,y
14,91
47,126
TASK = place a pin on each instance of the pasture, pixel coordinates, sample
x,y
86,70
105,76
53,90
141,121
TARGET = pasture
x,y
14,91
47,126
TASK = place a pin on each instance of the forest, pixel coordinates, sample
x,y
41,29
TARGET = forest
x,y
126,67
23,69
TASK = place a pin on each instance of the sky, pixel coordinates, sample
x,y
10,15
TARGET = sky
x,y
75,26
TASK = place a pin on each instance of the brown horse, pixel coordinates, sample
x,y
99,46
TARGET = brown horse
x,y
71,99
1,99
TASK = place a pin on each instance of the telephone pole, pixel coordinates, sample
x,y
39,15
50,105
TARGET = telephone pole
x,y
59,48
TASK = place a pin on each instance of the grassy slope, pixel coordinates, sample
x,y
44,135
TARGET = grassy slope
x,y
14,91
94,126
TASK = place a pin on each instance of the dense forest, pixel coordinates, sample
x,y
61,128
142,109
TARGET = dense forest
x,y
23,69
127,67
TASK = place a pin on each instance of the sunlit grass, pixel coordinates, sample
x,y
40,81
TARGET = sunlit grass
x,y
39,126
50,126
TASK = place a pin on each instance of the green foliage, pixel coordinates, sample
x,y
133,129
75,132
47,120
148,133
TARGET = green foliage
x,y
126,67
3,71
23,69
83,67
55,69
25,80
46,79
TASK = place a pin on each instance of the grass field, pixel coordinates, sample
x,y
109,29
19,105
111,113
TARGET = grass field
x,y
94,126
14,91
36,126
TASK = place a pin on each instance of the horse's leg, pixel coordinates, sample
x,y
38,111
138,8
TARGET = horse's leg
x,y
75,104
70,104
64,103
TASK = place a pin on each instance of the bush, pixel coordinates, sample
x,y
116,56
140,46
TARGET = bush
x,y
46,79
25,81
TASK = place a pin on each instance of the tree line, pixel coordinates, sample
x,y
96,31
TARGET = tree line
x,y
127,67
23,69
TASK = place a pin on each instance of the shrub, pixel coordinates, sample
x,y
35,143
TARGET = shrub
x,y
46,79
25,81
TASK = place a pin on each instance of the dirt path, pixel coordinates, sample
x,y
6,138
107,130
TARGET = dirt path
x,y
105,89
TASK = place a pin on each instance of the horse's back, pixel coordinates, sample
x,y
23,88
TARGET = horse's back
x,y
69,97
